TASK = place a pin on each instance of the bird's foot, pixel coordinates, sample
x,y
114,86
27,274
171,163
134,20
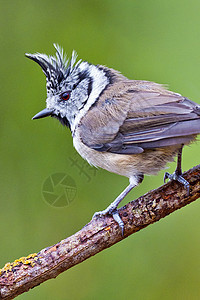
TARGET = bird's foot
x,y
111,210
179,178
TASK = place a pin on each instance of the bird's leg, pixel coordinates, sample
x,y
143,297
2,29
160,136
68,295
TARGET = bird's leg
x,y
112,208
177,175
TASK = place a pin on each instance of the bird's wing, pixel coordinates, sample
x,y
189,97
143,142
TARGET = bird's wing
x,y
146,120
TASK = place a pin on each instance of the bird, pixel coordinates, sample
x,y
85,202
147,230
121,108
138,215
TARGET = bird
x,y
128,127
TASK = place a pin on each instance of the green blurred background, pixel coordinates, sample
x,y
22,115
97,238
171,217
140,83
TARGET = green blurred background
x,y
147,39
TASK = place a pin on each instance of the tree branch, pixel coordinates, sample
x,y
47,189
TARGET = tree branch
x,y
28,272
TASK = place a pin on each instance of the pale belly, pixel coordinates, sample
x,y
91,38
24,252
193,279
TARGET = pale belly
x,y
148,162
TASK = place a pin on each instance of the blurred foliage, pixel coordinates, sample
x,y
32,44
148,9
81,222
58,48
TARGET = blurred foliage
x,y
147,39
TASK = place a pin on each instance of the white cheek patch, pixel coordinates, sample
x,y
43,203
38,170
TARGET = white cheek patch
x,y
100,81
79,102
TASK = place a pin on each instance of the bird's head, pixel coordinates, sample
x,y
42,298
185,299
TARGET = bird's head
x,y
72,87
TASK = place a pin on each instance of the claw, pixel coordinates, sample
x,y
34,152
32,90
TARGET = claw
x,y
117,218
114,214
178,178
166,176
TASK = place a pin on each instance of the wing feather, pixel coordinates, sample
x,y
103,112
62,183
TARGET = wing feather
x,y
141,120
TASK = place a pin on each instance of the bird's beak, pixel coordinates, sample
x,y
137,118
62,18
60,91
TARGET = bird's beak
x,y
43,113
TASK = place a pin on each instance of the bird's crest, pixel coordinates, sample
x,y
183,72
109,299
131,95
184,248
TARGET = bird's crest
x,y
56,68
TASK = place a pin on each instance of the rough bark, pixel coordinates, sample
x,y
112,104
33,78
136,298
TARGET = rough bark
x,y
28,272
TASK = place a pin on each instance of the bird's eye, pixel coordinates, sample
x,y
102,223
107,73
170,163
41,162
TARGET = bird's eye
x,y
65,96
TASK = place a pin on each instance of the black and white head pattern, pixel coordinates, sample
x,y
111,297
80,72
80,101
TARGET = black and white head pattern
x,y
72,87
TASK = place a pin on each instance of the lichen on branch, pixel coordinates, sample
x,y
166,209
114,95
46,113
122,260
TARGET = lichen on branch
x,y
99,234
